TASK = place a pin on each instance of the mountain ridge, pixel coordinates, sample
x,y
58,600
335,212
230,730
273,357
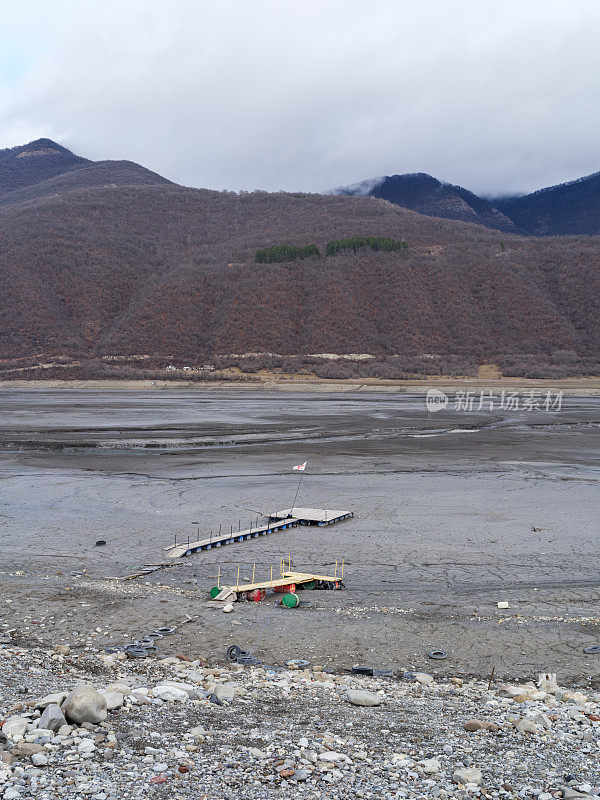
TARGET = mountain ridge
x,y
43,167
92,268
568,208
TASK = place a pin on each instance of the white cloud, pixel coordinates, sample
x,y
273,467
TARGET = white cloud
x,y
496,96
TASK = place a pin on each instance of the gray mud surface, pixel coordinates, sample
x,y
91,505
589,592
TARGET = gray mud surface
x,y
453,513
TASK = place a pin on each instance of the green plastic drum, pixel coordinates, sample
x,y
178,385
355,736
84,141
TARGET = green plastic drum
x,y
290,600
214,592
308,585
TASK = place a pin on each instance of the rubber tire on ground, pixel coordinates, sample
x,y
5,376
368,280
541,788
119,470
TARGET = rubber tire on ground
x,y
154,635
136,652
592,649
438,655
166,631
234,651
298,662
246,660
100,543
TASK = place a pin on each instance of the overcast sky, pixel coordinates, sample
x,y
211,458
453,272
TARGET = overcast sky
x,y
496,95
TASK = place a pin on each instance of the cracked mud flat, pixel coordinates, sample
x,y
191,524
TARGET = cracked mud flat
x,y
444,514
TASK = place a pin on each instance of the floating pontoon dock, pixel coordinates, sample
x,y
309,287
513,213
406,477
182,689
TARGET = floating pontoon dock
x,y
277,521
311,516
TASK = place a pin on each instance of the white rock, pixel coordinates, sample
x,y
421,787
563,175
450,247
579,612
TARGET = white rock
x,y
358,697
57,698
228,608
39,759
468,775
424,678
113,699
85,704
118,686
169,693
430,766
527,725
185,687
509,690
15,726
37,733
87,746
329,756
195,676
254,751
227,691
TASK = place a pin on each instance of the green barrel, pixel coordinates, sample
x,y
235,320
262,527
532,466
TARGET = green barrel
x,y
214,592
308,585
290,600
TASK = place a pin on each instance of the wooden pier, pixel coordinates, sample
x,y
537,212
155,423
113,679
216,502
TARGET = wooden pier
x,y
277,521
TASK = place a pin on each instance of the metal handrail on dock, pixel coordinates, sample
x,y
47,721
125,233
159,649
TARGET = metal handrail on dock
x,y
277,521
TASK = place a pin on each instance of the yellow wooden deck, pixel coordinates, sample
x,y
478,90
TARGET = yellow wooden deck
x,y
284,580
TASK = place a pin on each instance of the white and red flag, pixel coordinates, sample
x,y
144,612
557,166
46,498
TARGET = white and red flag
x,y
301,467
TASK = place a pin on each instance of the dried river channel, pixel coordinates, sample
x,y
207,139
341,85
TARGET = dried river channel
x,y
454,512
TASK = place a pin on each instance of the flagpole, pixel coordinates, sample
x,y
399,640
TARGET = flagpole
x,y
297,490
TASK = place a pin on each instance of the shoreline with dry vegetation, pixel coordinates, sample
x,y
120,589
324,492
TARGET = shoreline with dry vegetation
x,y
574,387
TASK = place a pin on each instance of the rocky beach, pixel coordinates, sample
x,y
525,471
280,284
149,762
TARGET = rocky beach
x,y
102,727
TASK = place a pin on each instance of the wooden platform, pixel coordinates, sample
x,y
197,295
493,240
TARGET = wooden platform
x,y
283,580
312,516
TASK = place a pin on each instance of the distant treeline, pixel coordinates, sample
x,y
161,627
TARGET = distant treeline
x,y
284,252
289,252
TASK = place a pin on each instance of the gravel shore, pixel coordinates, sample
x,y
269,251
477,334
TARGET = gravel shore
x,y
180,728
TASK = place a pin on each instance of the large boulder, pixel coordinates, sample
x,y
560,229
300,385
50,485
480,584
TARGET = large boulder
x,y
358,697
85,704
